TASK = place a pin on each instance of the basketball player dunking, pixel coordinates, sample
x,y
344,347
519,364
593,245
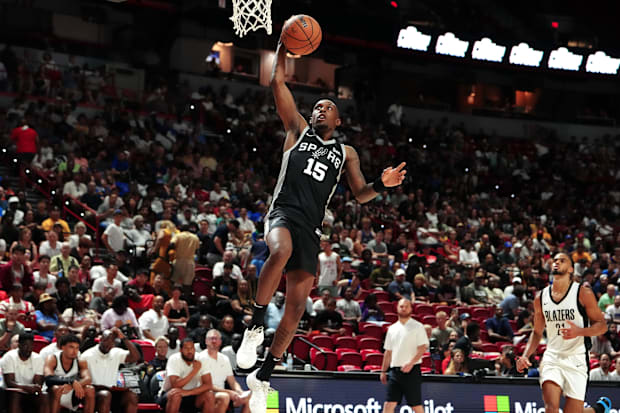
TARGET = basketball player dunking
x,y
565,309
311,167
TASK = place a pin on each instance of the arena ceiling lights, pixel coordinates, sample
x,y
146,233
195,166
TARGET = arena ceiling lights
x,y
522,54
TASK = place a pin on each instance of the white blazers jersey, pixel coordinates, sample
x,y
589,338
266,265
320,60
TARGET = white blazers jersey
x,y
556,316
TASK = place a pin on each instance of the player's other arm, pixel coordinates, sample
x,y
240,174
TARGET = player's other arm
x,y
535,337
363,191
294,123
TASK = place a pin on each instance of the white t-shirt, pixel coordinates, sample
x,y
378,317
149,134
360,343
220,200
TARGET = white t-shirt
x,y
175,350
115,236
110,318
99,271
24,370
157,326
403,340
470,257
328,265
104,367
178,367
50,280
218,270
47,249
101,284
49,349
599,375
220,369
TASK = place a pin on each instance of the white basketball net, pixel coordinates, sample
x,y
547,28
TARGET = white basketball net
x,y
251,15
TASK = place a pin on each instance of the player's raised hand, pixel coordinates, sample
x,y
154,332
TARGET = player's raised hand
x,y
571,332
394,176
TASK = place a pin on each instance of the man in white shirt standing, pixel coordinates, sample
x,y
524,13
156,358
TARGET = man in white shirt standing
x,y
188,385
405,344
154,323
103,363
221,371
329,268
23,377
113,237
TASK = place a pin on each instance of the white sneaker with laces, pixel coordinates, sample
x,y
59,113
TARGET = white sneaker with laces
x,y
246,355
260,391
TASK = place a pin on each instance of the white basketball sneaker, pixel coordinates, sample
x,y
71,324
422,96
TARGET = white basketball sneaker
x,y
246,355
260,391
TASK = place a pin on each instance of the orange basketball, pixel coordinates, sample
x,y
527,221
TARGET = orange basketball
x,y
301,34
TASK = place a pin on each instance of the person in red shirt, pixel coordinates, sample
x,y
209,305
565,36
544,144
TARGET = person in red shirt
x,y
27,141
16,271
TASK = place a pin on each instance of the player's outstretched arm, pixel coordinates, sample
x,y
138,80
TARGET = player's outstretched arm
x,y
294,123
532,344
363,191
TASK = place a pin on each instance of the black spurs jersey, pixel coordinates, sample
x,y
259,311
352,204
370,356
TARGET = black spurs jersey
x,y
308,178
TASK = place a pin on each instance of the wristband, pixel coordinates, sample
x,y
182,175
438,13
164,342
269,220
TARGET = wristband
x,y
378,186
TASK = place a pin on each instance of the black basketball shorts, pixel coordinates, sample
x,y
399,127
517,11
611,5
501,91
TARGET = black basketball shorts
x,y
408,385
306,242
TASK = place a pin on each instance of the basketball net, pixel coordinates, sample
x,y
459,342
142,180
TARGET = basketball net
x,y
251,15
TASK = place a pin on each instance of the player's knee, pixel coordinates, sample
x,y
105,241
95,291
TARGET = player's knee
x,y
552,408
104,394
281,252
132,398
89,391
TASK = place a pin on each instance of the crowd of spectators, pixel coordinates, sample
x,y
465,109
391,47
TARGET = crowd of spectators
x,y
177,206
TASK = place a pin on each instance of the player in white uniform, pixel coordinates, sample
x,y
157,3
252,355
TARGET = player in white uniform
x,y
68,379
565,309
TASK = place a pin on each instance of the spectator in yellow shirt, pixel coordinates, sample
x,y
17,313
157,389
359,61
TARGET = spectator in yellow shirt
x,y
53,219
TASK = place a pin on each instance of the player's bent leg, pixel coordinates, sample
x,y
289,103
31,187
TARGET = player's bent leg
x,y
89,399
552,393
222,400
204,401
299,283
388,407
173,402
280,247
14,401
54,397
418,408
103,401
129,401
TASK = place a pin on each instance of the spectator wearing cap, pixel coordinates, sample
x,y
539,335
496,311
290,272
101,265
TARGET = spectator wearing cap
x,y
54,218
400,288
113,237
505,257
220,240
329,267
377,246
47,316
475,293
61,262
606,299
16,270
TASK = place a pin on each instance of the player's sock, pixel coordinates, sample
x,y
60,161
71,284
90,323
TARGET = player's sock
x,y
264,373
258,315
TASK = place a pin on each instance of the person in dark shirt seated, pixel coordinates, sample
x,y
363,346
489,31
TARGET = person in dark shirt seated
x,y
419,288
159,361
498,327
220,239
227,329
329,320
225,286
446,292
366,267
63,296
399,288
206,307
507,363
370,310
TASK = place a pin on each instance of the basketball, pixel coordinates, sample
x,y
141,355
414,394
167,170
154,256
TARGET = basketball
x,y
301,34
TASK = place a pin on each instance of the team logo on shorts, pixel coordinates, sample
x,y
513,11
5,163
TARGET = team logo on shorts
x,y
496,404
319,152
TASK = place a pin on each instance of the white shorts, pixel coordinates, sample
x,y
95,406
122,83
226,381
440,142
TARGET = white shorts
x,y
570,373
66,401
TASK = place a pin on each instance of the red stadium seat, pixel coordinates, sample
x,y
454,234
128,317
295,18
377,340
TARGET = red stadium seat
x,y
350,357
148,407
391,317
299,348
426,361
326,360
348,327
148,349
484,336
366,351
489,348
339,351
445,308
386,306
369,342
372,368
463,309
348,367
381,295
425,370
323,341
480,312
373,358
424,309
429,319
346,342
363,295
372,330
513,325
39,344
203,272
541,349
